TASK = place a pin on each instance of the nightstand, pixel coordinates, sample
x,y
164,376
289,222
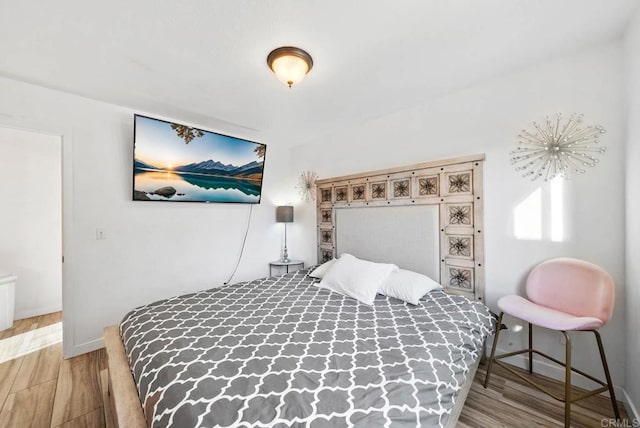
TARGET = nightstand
x,y
280,268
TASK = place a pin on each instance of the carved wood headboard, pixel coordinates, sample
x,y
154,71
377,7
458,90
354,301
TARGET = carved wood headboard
x,y
455,185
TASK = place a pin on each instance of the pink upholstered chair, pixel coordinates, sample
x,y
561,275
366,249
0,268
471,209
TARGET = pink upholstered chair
x,y
565,295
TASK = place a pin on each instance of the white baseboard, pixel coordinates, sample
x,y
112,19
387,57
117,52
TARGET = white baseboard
x,y
83,348
554,371
632,410
20,315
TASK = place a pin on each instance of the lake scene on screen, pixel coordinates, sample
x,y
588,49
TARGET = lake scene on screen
x,y
177,163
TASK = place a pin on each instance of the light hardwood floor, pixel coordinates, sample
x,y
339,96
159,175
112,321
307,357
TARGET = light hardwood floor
x,y
40,389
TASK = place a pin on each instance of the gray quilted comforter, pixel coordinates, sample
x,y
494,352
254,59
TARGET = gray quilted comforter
x,y
281,352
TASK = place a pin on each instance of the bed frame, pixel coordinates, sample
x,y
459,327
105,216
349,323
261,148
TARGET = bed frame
x,y
122,406
454,185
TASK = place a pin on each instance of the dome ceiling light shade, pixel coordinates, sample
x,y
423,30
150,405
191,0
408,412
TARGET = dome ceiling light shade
x,y
290,64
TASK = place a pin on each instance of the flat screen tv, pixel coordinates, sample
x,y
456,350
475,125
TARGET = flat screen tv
x,y
179,163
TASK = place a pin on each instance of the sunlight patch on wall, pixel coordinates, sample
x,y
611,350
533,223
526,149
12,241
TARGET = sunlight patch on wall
x,y
540,216
527,217
557,210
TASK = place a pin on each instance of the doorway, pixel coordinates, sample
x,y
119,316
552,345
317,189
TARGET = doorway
x,y
31,219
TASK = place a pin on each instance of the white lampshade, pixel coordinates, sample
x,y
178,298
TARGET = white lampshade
x,y
290,64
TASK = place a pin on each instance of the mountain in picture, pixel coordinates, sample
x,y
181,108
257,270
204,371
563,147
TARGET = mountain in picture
x,y
138,164
211,167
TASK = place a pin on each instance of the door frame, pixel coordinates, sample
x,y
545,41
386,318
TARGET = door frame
x,y
66,138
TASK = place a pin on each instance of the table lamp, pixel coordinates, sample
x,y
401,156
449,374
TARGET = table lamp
x,y
284,214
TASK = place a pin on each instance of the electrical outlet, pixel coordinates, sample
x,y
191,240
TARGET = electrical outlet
x,y
100,234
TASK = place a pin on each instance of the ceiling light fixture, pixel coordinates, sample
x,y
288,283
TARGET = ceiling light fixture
x,y
289,64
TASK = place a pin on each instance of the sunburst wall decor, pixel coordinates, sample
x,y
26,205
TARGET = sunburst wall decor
x,y
557,148
307,186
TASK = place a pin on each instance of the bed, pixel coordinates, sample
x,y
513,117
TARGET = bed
x,y
283,352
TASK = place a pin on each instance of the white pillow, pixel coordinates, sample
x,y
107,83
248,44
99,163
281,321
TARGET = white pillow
x,y
322,269
408,286
356,278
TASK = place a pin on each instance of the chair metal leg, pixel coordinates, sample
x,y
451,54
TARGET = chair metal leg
x,y
530,348
607,374
493,350
567,381
567,398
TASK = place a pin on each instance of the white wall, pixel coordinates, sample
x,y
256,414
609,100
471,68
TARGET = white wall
x,y
632,51
486,119
151,250
31,219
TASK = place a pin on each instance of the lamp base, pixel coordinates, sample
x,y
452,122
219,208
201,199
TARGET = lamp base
x,y
285,256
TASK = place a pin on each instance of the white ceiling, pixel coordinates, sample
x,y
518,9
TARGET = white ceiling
x,y
204,61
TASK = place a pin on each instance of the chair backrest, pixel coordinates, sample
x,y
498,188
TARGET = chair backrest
x,y
572,286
